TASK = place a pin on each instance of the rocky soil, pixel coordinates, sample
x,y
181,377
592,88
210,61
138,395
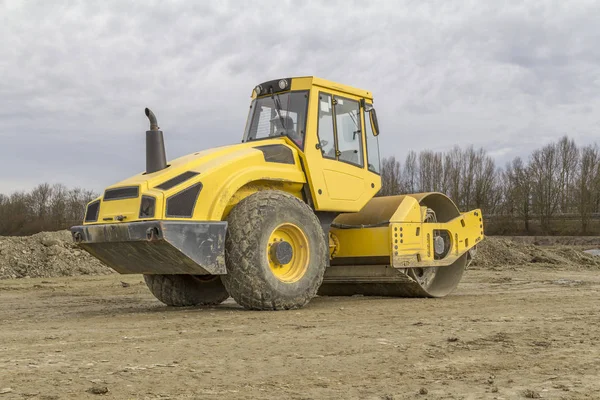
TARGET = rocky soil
x,y
53,254
44,255
499,253
523,323
521,332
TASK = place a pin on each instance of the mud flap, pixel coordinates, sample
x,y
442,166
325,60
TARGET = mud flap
x,y
157,247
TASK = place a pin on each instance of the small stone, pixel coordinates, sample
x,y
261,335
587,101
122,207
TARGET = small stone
x,y
495,389
453,339
423,391
531,394
125,284
5,390
50,241
98,390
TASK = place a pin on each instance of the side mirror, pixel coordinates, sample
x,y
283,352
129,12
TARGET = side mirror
x,y
374,123
372,116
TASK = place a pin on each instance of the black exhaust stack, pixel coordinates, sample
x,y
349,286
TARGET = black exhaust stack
x,y
156,157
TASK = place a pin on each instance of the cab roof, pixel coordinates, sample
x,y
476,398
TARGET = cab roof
x,y
307,82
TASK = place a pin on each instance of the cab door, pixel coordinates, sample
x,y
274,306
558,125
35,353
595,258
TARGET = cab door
x,y
337,172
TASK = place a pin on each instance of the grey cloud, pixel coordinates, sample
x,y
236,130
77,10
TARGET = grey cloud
x,y
75,76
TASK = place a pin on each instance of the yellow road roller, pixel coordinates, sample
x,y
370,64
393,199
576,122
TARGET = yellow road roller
x,y
288,214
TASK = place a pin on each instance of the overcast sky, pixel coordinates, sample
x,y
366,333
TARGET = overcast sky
x,y
76,76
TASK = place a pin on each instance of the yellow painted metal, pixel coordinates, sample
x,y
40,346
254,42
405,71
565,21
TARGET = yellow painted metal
x,y
336,185
362,242
223,171
230,173
394,228
294,270
416,250
334,245
311,82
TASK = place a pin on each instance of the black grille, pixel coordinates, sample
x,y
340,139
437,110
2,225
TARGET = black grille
x,y
182,204
130,192
177,180
91,214
147,207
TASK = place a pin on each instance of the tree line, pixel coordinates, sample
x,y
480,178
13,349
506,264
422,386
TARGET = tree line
x,y
45,208
559,179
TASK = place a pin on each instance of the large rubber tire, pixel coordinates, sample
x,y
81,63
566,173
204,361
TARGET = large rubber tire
x,y
250,279
187,290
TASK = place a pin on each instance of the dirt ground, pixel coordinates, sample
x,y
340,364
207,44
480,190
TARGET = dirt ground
x,y
506,333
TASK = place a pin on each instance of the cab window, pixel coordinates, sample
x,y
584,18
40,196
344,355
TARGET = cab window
x,y
325,129
281,115
349,135
372,146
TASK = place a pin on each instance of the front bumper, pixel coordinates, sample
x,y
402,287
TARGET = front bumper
x,y
157,247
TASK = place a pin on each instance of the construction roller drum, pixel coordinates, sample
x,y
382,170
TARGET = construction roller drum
x,y
374,259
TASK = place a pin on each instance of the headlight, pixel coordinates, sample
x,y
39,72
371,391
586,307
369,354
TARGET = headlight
x,y
283,84
258,90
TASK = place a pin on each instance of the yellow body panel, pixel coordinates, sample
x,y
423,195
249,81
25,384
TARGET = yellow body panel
x,y
393,231
362,242
223,172
417,250
336,185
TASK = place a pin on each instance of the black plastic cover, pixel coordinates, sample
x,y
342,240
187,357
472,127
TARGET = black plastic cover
x,y
147,207
181,205
177,180
128,192
277,153
91,214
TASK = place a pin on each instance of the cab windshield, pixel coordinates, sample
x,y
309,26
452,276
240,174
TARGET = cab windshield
x,y
280,115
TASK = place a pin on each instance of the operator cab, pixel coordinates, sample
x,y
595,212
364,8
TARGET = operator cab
x,y
335,129
277,111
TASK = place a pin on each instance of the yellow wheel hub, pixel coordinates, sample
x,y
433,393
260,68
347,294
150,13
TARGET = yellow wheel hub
x,y
288,253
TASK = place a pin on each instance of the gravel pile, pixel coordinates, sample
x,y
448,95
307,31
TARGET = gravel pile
x,y
45,255
51,254
498,252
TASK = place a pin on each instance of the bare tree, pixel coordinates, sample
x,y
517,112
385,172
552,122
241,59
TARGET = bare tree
x,y
587,184
486,183
390,177
546,183
569,159
39,198
410,183
452,171
45,207
517,190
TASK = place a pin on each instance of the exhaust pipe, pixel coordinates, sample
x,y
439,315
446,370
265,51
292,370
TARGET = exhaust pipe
x,y
156,157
